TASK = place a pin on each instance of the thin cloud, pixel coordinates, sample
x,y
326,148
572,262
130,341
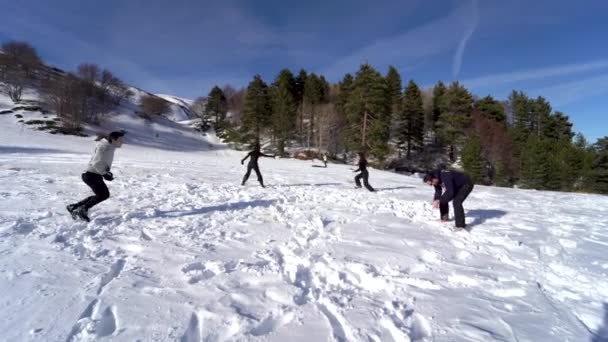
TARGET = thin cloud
x,y
408,48
457,64
571,92
518,76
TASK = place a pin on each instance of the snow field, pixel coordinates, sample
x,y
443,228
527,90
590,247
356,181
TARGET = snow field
x,y
182,252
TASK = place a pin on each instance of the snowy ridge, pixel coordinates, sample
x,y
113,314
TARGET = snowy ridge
x,y
179,108
158,132
177,100
182,252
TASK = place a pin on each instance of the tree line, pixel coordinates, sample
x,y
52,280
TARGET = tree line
x,y
517,142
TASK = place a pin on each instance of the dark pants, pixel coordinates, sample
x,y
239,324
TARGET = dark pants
x,y
96,183
257,172
365,176
461,194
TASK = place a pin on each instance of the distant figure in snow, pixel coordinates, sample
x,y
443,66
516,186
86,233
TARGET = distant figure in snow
x,y
253,164
98,169
364,173
457,187
325,159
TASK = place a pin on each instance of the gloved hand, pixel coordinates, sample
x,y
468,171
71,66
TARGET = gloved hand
x,y
108,176
242,162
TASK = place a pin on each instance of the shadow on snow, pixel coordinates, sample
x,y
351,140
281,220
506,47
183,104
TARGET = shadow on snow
x,y
221,207
482,215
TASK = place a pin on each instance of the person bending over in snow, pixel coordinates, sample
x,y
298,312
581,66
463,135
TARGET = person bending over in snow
x,y
457,187
98,170
253,164
364,173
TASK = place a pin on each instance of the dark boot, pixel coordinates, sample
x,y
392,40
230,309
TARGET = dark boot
x,y
83,213
72,210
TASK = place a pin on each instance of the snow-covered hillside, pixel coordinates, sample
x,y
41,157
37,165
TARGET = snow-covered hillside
x,y
178,109
182,252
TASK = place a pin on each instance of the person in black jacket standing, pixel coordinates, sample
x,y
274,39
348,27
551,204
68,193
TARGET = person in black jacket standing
x,y
457,187
364,173
253,164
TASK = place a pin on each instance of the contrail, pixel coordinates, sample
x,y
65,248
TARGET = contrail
x,y
463,42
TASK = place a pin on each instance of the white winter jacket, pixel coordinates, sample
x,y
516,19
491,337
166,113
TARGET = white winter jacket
x,y
102,158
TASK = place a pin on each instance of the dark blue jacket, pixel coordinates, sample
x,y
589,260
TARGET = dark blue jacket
x,y
362,166
452,181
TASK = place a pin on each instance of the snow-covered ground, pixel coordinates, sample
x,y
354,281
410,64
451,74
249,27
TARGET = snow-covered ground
x,y
182,252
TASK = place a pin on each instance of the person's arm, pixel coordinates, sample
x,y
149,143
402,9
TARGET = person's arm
x,y
438,191
267,155
448,182
247,156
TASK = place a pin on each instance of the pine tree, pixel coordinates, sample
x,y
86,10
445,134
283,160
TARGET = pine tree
x,y
345,88
368,112
438,107
599,172
472,159
314,94
411,120
283,108
216,107
558,128
540,165
522,112
491,108
456,118
393,82
572,168
300,83
438,103
540,116
257,112
520,129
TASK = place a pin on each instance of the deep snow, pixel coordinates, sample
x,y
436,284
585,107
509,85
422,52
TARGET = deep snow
x,y
182,252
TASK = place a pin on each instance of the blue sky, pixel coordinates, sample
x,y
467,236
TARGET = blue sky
x,y
553,48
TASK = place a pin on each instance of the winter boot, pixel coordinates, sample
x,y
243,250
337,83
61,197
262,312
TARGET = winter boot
x,y
83,214
72,210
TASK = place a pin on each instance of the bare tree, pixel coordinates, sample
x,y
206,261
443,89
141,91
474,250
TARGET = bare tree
x,y
103,91
153,105
67,97
20,55
236,101
18,65
88,72
198,106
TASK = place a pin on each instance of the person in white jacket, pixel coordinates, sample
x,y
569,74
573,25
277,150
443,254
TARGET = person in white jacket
x,y
97,170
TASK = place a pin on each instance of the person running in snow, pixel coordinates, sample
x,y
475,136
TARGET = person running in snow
x,y
457,187
364,173
98,169
253,164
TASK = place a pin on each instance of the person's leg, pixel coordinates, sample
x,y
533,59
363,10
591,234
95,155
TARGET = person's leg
x,y
78,204
259,174
460,197
358,180
366,182
246,177
96,183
